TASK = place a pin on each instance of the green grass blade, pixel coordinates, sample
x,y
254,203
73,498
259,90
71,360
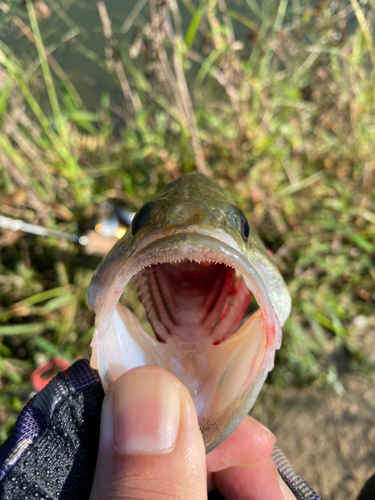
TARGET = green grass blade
x,y
27,329
4,96
55,107
51,350
194,25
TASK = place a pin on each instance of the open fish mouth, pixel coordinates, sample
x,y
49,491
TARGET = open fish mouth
x,y
196,289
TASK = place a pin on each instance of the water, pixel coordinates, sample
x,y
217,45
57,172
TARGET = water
x,y
72,32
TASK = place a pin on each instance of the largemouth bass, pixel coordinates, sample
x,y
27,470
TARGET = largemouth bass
x,y
196,264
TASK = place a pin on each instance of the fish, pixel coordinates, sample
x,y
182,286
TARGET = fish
x,y
198,266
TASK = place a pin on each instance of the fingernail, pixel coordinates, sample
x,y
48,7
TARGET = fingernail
x,y
267,431
146,412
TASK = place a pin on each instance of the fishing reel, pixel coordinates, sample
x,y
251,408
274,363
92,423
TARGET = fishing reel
x,y
110,223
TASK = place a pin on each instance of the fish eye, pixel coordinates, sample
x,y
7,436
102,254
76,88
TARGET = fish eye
x,y
245,229
242,224
142,216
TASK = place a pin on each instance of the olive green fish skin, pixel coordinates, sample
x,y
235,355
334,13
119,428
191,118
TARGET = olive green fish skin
x,y
194,200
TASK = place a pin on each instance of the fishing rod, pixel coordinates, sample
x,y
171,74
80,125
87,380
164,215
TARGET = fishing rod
x,y
20,225
110,227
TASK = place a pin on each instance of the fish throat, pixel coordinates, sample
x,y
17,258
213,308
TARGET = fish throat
x,y
193,302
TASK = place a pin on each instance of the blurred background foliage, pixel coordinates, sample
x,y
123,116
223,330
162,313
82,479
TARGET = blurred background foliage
x,y
273,98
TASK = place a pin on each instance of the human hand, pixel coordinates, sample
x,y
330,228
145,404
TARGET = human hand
x,y
151,448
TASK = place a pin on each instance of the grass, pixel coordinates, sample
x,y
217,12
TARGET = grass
x,y
275,101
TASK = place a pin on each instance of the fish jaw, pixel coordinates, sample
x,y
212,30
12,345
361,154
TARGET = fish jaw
x,y
223,379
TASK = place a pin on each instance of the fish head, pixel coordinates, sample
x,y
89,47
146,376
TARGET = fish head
x,y
197,266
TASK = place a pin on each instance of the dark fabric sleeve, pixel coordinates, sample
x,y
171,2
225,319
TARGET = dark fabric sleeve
x,y
51,454
368,490
52,451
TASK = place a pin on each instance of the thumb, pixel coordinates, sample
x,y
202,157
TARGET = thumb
x,y
150,445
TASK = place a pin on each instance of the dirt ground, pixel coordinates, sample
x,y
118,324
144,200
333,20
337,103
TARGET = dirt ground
x,y
329,439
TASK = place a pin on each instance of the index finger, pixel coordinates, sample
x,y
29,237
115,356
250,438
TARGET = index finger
x,y
250,443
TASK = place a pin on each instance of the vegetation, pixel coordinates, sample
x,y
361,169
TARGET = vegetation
x,y
276,101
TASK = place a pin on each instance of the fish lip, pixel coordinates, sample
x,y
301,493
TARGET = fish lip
x,y
192,245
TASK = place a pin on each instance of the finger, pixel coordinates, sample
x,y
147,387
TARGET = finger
x,y
250,443
150,444
255,482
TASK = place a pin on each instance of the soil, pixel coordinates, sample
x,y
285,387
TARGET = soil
x,y
329,439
